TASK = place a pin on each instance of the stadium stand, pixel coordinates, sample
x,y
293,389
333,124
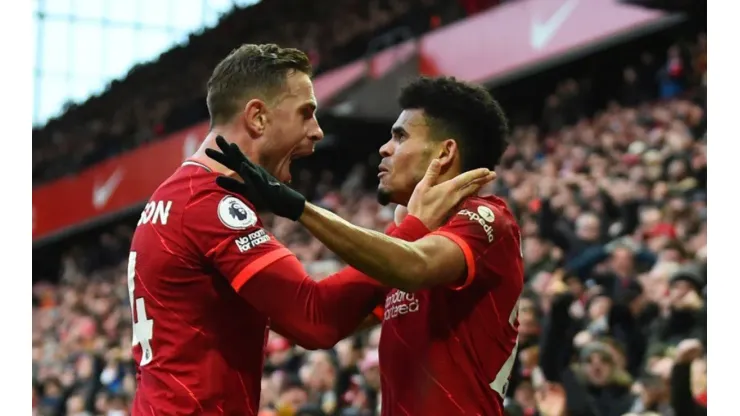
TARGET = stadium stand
x,y
162,96
611,198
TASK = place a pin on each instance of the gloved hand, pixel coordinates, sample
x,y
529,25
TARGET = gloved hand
x,y
260,188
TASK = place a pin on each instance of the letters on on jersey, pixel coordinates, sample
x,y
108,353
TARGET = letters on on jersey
x,y
399,303
484,217
235,214
156,212
252,240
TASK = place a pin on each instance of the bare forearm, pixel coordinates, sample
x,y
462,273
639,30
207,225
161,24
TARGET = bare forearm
x,y
393,262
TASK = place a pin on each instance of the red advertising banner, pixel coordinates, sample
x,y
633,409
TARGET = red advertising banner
x,y
502,40
111,186
518,34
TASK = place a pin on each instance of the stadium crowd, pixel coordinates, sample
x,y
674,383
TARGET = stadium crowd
x,y
613,318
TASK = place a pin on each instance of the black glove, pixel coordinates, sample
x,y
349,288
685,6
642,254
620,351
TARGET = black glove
x,y
260,188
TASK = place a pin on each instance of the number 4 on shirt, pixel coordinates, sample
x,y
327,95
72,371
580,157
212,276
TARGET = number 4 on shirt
x,y
501,383
143,326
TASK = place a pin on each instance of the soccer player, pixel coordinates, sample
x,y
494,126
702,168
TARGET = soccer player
x,y
449,335
206,281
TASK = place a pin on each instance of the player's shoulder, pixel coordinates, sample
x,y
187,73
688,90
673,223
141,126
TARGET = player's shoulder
x,y
492,202
232,210
490,210
194,185
189,179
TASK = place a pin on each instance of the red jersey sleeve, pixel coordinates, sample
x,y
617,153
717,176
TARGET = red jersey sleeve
x,y
487,236
313,314
228,235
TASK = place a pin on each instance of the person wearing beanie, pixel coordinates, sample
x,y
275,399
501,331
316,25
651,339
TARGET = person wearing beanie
x,y
685,313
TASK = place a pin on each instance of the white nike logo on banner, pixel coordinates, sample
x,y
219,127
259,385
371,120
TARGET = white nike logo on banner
x,y
102,193
542,32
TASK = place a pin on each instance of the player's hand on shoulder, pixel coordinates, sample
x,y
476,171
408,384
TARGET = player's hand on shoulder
x,y
258,186
432,202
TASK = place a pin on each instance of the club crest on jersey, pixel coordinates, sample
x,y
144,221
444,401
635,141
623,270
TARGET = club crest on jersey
x,y
486,213
235,214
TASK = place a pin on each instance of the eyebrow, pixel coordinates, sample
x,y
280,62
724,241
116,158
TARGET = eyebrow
x,y
399,131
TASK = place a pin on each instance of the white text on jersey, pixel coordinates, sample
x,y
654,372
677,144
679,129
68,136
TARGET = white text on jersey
x,y
156,212
400,303
252,240
483,223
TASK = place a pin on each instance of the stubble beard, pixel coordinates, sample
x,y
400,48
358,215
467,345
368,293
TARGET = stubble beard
x,y
384,196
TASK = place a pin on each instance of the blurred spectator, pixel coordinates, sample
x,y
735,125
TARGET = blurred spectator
x,y
674,75
632,92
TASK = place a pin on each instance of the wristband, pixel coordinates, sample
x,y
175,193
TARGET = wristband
x,y
410,229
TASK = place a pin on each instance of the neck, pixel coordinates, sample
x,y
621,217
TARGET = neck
x,y
443,177
232,135
447,175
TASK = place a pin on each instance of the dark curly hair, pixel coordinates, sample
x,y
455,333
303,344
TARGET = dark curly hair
x,y
464,112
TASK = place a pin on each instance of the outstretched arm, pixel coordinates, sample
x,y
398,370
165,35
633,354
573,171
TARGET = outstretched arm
x,y
313,314
441,258
393,262
317,314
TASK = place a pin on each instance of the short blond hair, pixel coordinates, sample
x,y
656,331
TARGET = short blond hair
x,y
251,71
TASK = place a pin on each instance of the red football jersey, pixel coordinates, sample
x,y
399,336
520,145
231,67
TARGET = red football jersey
x,y
450,350
197,343
203,277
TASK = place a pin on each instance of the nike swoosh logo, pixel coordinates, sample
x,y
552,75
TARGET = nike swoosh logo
x,y
102,193
542,32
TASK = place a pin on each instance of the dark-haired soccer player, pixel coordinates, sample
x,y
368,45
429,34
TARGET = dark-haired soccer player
x,y
206,280
450,325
